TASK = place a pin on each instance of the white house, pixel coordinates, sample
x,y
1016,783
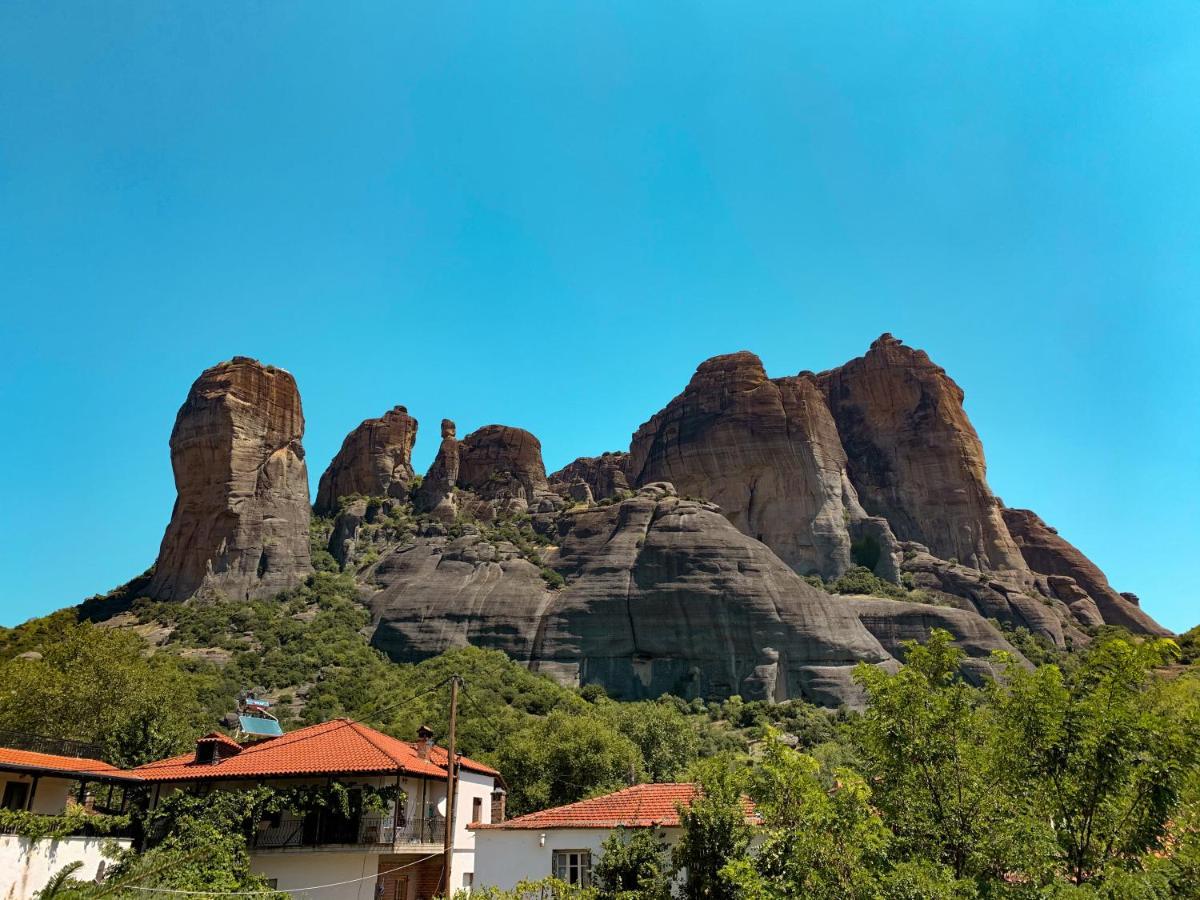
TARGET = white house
x,y
397,854
566,841
48,784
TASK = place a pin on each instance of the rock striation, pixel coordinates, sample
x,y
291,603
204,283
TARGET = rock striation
x,y
767,451
604,475
662,594
240,522
1073,577
375,461
914,457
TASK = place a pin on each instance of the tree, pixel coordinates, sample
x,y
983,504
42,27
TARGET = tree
x,y
715,833
665,738
633,866
813,842
1103,753
96,685
928,747
563,758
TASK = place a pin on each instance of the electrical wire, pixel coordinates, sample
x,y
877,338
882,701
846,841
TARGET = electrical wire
x,y
299,890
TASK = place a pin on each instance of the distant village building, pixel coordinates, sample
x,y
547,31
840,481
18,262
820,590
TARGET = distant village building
x,y
396,854
49,777
565,842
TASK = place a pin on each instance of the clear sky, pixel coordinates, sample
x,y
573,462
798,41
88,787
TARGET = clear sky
x,y
545,214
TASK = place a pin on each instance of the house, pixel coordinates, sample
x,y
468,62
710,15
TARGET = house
x,y
566,841
46,777
396,854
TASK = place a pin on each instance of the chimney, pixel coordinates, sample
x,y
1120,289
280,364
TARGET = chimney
x,y
499,804
424,741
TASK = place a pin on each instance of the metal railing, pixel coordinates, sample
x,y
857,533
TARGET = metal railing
x,y
38,743
318,830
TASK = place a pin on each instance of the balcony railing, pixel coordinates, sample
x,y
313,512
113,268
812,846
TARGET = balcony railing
x,y
37,743
316,830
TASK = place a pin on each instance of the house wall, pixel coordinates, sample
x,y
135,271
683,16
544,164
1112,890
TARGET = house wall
x,y
505,856
471,786
51,795
306,868
26,865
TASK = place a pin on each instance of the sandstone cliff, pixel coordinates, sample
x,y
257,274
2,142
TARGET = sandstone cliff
x,y
914,457
767,452
375,460
240,522
661,594
1074,578
605,475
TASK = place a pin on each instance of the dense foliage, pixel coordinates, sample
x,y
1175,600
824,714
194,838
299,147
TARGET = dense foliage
x,y
1077,778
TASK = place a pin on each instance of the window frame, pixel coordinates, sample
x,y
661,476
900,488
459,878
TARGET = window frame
x,y
578,860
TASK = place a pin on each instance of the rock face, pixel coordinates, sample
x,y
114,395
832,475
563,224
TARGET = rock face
x,y
375,460
661,594
436,493
1048,554
604,475
893,622
767,452
914,457
240,522
501,462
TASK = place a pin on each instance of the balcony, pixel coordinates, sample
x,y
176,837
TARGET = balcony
x,y
378,832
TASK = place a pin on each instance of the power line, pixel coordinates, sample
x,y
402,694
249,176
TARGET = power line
x,y
315,887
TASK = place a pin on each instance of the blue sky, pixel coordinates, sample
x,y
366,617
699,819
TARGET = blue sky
x,y
546,214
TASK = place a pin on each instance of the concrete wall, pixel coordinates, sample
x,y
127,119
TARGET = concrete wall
x,y
26,866
305,868
51,795
471,786
505,856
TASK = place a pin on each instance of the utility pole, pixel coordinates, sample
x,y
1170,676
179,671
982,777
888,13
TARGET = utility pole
x,y
451,785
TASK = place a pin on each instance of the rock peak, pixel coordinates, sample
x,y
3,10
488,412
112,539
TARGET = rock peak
x,y
240,522
375,460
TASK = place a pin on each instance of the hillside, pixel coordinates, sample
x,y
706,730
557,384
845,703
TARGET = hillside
x,y
760,537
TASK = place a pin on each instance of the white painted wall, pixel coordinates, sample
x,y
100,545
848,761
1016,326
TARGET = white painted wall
x,y
471,786
505,856
26,866
51,795
305,868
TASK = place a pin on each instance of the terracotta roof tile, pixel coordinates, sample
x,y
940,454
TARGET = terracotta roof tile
x,y
341,746
11,758
640,806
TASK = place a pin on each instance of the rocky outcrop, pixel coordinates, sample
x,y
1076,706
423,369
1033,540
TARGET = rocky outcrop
x,y
436,494
499,462
893,622
768,453
914,457
240,522
662,594
604,475
1049,554
375,461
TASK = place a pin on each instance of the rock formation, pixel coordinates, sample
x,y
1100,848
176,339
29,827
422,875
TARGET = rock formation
x,y
914,457
240,522
375,461
768,453
1048,554
436,493
500,462
604,475
661,594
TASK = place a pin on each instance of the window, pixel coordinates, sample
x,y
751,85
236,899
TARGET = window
x,y
573,866
477,809
468,880
16,794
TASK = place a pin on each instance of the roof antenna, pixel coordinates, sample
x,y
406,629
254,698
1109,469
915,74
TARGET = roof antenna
x,y
254,720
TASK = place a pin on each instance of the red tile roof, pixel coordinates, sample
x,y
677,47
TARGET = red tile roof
x,y
221,739
68,766
341,746
640,806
